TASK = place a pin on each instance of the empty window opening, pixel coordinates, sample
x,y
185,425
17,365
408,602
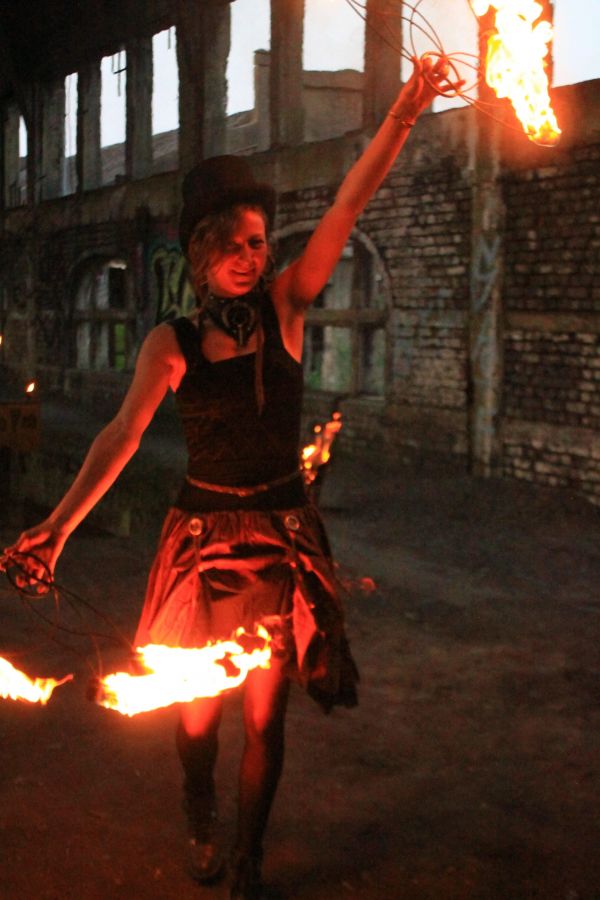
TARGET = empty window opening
x,y
430,27
14,167
103,322
345,339
113,113
70,176
575,50
250,31
165,100
334,36
23,155
22,139
165,82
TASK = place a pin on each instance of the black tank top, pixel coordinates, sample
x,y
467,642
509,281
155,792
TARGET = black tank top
x,y
228,441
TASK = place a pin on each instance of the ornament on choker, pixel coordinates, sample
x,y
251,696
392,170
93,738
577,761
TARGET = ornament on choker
x,y
236,316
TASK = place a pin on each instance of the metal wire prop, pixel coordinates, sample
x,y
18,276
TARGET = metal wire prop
x,y
31,588
464,66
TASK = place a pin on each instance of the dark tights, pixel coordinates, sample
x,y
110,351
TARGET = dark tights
x,y
265,703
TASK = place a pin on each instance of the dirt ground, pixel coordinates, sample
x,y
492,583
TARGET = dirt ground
x,y
471,769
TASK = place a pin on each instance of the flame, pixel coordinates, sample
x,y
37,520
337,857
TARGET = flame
x,y
318,453
515,64
30,387
179,675
15,685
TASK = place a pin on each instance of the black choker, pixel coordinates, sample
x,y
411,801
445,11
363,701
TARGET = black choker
x,y
236,316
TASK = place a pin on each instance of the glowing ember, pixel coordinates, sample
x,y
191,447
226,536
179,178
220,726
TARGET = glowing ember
x,y
515,65
179,675
15,685
318,453
30,387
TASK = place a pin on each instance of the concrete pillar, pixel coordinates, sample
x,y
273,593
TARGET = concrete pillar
x,y
53,139
138,146
89,159
10,156
217,31
485,319
262,70
383,45
203,43
286,108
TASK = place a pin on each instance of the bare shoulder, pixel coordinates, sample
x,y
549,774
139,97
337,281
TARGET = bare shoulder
x,y
161,339
161,349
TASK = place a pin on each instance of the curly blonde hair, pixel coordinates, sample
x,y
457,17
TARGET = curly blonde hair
x,y
211,236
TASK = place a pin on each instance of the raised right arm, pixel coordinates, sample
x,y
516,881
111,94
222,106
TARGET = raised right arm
x,y
160,364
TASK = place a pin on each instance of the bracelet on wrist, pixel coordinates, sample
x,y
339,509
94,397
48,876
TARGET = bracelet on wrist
x,y
403,120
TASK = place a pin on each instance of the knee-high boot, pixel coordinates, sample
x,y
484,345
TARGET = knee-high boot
x,y
206,861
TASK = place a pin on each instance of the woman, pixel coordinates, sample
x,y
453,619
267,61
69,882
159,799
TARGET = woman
x,y
242,545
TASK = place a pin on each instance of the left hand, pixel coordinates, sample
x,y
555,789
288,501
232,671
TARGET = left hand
x,y
429,79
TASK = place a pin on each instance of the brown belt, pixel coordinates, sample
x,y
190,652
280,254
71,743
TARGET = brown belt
x,y
243,491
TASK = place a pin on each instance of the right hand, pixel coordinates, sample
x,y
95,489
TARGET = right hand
x,y
46,542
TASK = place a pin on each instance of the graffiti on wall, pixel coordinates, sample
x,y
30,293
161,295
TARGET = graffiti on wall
x,y
170,285
485,347
485,270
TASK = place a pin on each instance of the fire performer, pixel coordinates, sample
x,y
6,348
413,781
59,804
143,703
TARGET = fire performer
x,y
242,544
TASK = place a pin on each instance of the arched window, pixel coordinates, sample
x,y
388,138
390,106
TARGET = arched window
x,y
103,318
345,337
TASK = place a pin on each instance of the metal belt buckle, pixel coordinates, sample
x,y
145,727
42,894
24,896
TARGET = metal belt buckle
x,y
292,522
196,526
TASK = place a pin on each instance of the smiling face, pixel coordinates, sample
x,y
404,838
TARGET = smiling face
x,y
235,269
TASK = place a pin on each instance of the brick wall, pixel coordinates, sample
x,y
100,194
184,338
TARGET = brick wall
x,y
551,391
553,377
552,242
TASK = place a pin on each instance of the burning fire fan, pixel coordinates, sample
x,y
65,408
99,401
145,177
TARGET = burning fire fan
x,y
179,675
516,51
166,675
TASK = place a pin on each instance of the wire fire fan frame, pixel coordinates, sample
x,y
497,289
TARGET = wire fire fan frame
x,y
32,587
418,22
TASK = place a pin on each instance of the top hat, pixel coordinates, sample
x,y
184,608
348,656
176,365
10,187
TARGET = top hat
x,y
215,184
